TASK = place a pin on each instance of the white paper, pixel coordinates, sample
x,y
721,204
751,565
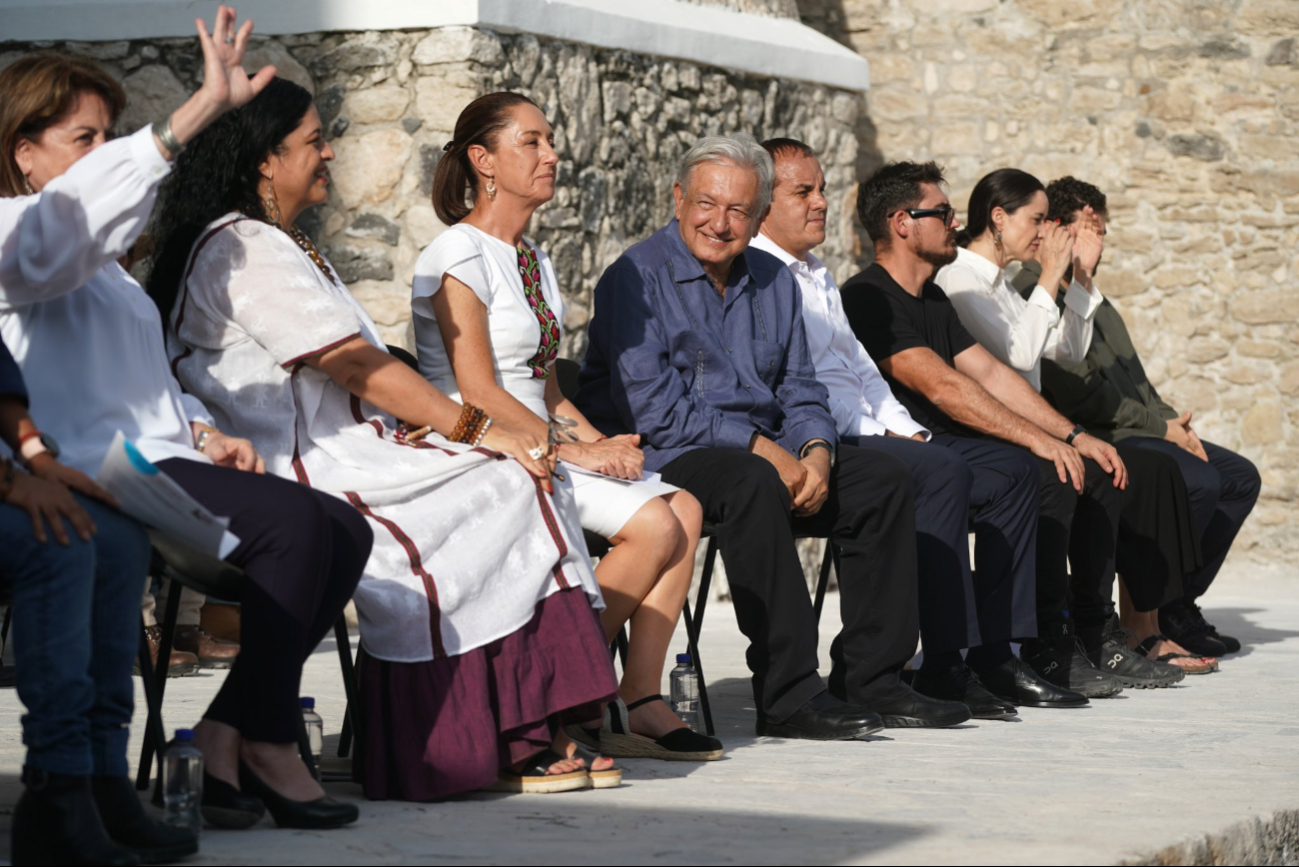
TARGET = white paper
x,y
153,498
574,468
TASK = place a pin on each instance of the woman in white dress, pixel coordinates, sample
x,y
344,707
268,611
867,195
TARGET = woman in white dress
x,y
473,654
488,324
90,344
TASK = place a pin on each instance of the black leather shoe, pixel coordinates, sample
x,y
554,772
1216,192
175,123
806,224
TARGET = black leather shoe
x,y
224,806
1014,681
824,718
324,812
910,709
959,683
56,822
1064,664
129,826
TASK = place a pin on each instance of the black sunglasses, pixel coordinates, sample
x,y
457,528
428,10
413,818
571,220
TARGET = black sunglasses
x,y
947,212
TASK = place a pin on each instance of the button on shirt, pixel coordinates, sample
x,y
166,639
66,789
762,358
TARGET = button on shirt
x,y
1020,333
672,360
860,400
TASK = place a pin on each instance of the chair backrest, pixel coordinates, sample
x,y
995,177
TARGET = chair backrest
x,y
403,356
566,374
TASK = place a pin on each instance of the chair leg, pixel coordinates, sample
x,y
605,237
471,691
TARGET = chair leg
x,y
304,748
351,724
831,558
693,623
157,745
4,630
153,731
623,644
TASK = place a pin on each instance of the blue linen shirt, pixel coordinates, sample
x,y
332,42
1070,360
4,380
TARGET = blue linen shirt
x,y
11,377
672,360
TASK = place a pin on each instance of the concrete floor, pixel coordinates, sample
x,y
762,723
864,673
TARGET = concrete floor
x,y
1127,776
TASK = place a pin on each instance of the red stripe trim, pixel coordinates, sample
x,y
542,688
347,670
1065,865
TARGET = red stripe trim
x,y
320,351
184,290
553,526
416,566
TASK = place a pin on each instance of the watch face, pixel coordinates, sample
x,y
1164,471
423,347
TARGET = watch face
x,y
51,446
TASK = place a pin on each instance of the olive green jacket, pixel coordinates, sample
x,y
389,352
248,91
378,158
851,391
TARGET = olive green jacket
x,y
1108,392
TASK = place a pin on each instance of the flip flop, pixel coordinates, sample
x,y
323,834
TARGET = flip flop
x,y
532,779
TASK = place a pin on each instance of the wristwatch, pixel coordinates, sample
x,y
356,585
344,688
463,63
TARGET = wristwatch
x,y
35,443
1073,434
817,444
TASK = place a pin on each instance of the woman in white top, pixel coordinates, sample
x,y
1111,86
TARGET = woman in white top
x,y
488,324
90,344
472,651
1008,224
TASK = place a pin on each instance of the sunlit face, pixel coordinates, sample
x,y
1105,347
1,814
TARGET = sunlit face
x,y
716,213
928,237
796,220
70,138
299,173
1022,232
523,161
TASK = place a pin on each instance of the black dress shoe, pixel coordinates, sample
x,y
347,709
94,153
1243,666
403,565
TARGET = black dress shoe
x,y
959,683
910,709
1014,681
324,812
129,826
824,718
56,822
224,806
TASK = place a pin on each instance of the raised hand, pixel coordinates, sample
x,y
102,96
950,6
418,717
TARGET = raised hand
x,y
1088,244
225,84
1055,254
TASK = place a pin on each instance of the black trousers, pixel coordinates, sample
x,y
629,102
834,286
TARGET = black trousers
x,y
870,515
960,480
1158,542
1223,492
302,552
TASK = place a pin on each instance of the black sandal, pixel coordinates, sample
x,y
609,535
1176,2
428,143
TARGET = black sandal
x,y
533,779
609,778
681,745
1209,664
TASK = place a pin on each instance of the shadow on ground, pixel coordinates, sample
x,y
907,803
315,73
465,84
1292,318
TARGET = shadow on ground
x,y
1237,623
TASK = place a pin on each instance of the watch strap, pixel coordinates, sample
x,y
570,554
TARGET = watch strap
x,y
817,444
1073,434
31,446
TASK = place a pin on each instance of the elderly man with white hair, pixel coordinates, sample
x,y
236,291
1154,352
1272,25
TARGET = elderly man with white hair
x,y
697,344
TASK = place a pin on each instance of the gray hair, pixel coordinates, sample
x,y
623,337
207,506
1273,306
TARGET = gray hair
x,y
740,150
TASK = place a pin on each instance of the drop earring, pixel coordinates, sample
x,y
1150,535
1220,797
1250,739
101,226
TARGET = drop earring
x,y
271,205
490,188
27,185
997,239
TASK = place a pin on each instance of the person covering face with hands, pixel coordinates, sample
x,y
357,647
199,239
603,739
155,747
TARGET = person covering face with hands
x,y
697,344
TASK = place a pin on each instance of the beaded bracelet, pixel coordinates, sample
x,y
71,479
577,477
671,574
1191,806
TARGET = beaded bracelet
x,y
471,427
482,432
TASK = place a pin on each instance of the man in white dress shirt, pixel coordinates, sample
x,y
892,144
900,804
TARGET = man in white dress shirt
x,y
956,609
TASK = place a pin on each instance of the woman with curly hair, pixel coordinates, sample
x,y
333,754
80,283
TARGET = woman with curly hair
x,y
478,634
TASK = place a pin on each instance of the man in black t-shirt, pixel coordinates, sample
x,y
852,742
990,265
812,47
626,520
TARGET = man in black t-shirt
x,y
977,406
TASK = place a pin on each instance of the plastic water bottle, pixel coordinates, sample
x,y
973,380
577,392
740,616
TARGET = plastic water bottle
x,y
182,783
315,729
685,691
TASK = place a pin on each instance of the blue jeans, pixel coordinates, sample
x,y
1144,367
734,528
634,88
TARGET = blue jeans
x,y
75,631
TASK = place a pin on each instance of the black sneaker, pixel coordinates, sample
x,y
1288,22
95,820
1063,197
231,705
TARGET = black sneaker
x,y
1183,622
1129,666
1067,666
1232,644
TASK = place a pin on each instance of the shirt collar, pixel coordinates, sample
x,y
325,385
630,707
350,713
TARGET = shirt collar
x,y
764,243
685,267
985,268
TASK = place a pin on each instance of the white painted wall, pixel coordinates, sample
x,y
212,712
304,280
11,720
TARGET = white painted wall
x,y
768,46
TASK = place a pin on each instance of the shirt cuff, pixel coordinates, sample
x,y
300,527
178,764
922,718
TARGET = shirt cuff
x,y
909,428
1041,298
868,427
195,411
147,157
734,434
1082,302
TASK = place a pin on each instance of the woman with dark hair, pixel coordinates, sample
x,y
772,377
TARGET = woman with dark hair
x,y
477,629
1152,539
90,345
488,324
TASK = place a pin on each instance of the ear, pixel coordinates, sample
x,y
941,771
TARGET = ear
x,y
679,198
482,161
757,224
998,218
900,225
24,155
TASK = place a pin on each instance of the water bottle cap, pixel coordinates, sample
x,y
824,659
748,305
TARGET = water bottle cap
x,y
683,658
307,702
184,734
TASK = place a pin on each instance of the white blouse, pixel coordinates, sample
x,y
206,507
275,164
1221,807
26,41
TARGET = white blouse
x,y
860,400
87,337
1020,333
490,267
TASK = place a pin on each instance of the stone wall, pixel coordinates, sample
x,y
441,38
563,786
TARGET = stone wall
x,y
1186,112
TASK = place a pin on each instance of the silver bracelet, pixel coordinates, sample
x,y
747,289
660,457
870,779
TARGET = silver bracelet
x,y
478,440
162,129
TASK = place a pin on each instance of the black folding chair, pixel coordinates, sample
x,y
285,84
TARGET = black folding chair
x,y
186,566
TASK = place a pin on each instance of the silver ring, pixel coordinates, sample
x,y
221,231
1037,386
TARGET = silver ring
x,y
230,40
536,453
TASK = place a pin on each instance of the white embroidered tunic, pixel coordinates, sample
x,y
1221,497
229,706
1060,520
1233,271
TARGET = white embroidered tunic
x,y
466,543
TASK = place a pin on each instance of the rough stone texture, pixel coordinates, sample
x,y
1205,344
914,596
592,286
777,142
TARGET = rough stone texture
x,y
1187,115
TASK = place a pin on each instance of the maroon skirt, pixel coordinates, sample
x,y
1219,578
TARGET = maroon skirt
x,y
439,728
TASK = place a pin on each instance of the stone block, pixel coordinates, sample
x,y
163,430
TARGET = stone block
x,y
357,52
438,102
1268,17
376,105
1203,350
422,225
387,303
367,168
1205,146
354,263
1282,53
1262,424
457,44
375,227
1288,382
272,52
152,91
1266,305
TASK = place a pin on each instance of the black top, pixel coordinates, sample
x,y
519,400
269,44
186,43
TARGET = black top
x,y
887,320
11,378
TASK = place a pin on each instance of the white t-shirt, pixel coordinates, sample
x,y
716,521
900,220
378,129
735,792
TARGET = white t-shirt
x,y
490,267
